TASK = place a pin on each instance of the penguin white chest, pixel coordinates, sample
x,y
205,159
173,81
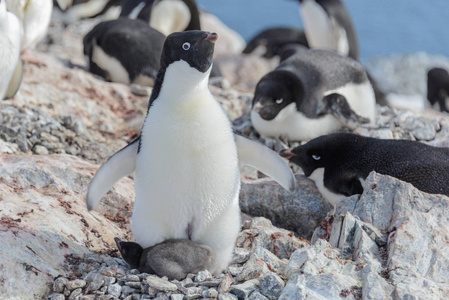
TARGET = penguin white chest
x,y
187,171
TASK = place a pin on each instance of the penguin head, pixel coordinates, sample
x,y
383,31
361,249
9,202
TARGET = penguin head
x,y
194,47
130,252
274,92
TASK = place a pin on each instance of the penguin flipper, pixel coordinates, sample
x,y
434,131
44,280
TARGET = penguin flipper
x,y
262,158
338,106
120,164
15,81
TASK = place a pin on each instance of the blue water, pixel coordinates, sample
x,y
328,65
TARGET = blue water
x,y
383,27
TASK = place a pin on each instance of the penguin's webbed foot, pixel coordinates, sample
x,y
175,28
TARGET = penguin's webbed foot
x,y
338,106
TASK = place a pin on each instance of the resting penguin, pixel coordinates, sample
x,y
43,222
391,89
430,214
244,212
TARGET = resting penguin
x,y
167,16
338,162
313,92
438,88
274,39
328,25
34,16
10,63
124,50
172,258
186,160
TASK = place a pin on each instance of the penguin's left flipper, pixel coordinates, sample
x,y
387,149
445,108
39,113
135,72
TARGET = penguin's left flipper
x,y
267,161
117,166
15,81
338,106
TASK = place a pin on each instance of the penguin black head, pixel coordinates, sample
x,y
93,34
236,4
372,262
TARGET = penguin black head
x,y
194,47
131,252
274,92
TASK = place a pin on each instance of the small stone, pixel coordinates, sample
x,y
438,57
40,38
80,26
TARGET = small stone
x,y
133,284
75,293
227,296
105,297
59,284
253,268
160,284
109,271
109,280
225,285
256,295
271,285
176,296
152,292
86,297
56,297
240,256
210,293
95,281
243,290
202,276
194,293
235,271
134,272
41,150
126,290
114,290
130,277
74,284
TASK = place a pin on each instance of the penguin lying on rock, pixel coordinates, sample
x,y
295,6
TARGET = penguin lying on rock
x,y
186,160
124,50
172,258
339,162
311,93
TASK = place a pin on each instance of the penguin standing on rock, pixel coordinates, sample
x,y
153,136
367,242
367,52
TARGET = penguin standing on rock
x,y
124,50
339,162
438,88
186,159
10,63
311,93
167,16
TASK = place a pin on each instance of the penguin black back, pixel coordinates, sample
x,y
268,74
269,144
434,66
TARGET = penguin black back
x,y
347,158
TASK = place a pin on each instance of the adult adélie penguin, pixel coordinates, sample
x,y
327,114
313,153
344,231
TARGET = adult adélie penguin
x,y
187,157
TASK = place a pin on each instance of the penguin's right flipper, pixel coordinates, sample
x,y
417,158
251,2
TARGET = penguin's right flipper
x,y
15,81
117,166
259,156
338,106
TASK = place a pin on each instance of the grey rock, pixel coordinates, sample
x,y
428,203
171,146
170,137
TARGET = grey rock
x,y
59,284
41,150
109,280
56,297
271,285
300,211
88,297
272,260
253,268
133,284
376,287
227,296
202,276
160,284
75,293
131,277
256,295
74,284
176,296
235,271
210,293
194,293
240,256
114,290
126,291
225,285
243,290
95,281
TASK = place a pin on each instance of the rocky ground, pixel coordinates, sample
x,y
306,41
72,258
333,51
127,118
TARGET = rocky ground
x,y
388,243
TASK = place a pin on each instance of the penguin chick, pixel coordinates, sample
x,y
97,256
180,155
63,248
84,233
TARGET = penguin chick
x,y
174,258
338,162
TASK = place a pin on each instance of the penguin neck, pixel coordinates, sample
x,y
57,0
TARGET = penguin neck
x,y
180,81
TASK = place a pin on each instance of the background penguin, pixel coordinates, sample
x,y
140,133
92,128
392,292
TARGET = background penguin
x,y
34,16
338,162
172,258
82,9
186,160
124,50
274,39
438,88
328,25
297,100
10,63
167,16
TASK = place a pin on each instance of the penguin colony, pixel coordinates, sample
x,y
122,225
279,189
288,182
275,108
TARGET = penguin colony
x,y
186,159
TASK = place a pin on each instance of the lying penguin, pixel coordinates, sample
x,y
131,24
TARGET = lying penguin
x,y
339,162
273,40
311,93
186,160
10,63
438,88
166,16
172,258
124,50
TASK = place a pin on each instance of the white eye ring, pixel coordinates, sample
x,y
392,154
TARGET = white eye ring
x,y
316,157
279,101
186,46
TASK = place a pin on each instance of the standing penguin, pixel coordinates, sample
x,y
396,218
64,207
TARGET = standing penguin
x,y
124,50
311,93
10,64
338,162
328,25
166,16
34,16
438,88
186,160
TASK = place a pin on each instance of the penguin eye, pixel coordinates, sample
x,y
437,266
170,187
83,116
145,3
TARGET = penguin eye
x,y
316,157
186,46
279,101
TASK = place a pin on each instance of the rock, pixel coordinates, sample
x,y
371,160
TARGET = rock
x,y
243,290
75,293
74,284
203,276
59,284
301,211
56,297
210,293
176,296
252,269
271,285
225,285
160,284
114,290
227,296
52,188
273,262
240,256
376,287
257,296
194,293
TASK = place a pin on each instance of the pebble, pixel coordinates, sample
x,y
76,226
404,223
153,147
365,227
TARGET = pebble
x,y
202,276
160,284
74,284
75,293
271,285
56,297
243,290
115,289
59,284
227,296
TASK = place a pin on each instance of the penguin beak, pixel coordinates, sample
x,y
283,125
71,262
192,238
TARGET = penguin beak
x,y
118,242
256,108
286,153
211,37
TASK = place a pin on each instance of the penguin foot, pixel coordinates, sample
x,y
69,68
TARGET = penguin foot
x,y
338,106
